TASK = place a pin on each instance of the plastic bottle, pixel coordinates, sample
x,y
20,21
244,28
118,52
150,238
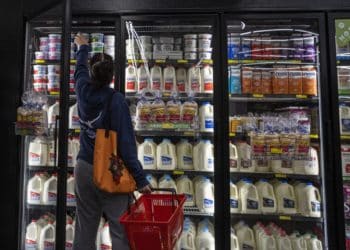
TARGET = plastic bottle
x,y
146,153
106,242
181,80
130,79
207,156
234,198
51,153
283,241
169,82
249,199
207,78
205,240
142,78
204,191
32,236
74,117
37,153
184,152
50,191
166,156
71,200
206,117
187,238
234,240
167,182
156,77
52,112
185,186
312,201
312,166
286,200
35,189
233,158
298,242
314,244
267,197
245,237
47,237
244,157
194,79
69,236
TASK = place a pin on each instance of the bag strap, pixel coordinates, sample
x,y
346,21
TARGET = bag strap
x,y
108,114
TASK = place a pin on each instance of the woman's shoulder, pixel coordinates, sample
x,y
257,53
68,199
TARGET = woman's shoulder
x,y
118,98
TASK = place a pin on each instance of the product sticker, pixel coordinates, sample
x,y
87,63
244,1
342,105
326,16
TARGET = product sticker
x,y
233,163
234,203
49,245
70,160
208,85
315,206
189,197
148,160
34,196
246,163
181,86
345,159
31,245
268,202
346,195
251,204
69,246
75,120
142,84
105,247
156,84
166,160
209,122
33,157
130,83
345,125
70,198
208,203
52,197
188,160
168,84
245,246
288,203
195,84
210,163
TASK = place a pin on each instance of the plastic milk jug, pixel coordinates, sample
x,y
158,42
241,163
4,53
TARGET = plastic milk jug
x,y
35,189
234,241
156,77
47,237
267,197
152,180
169,81
73,117
142,78
50,191
194,79
187,238
233,158
244,157
207,78
205,223
205,240
312,166
206,117
246,238
184,152
130,79
71,200
167,182
207,156
106,242
52,112
204,191
249,199
69,236
286,200
344,116
185,186
300,195
298,242
166,156
312,201
37,153
283,241
197,151
147,154
234,198
181,80
314,243
266,241
32,236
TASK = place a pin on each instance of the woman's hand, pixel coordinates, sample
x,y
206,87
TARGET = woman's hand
x,y
80,40
146,189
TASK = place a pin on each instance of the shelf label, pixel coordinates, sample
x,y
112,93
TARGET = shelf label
x,y
167,125
54,93
284,217
189,133
232,134
230,61
39,61
207,61
280,175
76,130
301,96
160,61
73,61
178,172
314,136
182,61
276,150
258,95
345,136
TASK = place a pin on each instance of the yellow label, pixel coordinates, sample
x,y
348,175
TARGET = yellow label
x,y
54,93
76,130
167,125
345,136
258,95
188,133
182,61
280,175
178,172
283,217
208,61
73,61
232,61
232,134
39,61
160,61
314,136
301,96
276,150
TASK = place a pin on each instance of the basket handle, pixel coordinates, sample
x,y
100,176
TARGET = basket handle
x,y
171,190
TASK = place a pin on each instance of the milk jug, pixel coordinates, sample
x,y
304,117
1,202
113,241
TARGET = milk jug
x,y
147,154
169,82
344,117
52,112
246,238
233,158
184,152
167,182
106,242
244,157
207,78
75,150
187,238
312,166
32,236
205,223
286,200
249,199
267,197
71,200
298,242
234,241
69,236
185,186
142,78
35,189
37,153
73,117
207,156
194,79
206,117
234,198
181,80
314,243
156,77
205,240
300,195
50,191
47,237
130,79
204,191
283,242
197,151
166,157
152,180
312,201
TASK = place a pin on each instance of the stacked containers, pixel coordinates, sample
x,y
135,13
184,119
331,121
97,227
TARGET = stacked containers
x,y
39,78
54,47
190,46
97,44
204,46
162,46
146,47
53,84
131,50
44,49
109,45
71,78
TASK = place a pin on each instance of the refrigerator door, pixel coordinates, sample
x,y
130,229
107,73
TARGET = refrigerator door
x,y
170,81
276,163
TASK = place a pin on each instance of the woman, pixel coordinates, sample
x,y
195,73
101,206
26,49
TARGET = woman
x,y
93,93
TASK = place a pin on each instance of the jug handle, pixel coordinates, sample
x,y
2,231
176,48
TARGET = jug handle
x,y
235,151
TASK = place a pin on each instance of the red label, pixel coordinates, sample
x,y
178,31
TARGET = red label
x,y
130,85
258,149
168,85
208,86
174,118
181,86
142,85
347,168
144,118
195,86
187,117
156,85
105,247
34,156
160,118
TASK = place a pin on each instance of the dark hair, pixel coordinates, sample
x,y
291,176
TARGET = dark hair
x,y
102,69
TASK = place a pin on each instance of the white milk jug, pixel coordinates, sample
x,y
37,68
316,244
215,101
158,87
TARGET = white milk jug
x,y
246,238
75,150
156,77
205,196
69,236
184,152
181,80
169,81
152,180
130,79
205,223
71,199
286,200
344,119
166,182
35,189
197,151
233,158
206,117
207,156
194,79
283,242
207,78
106,242
234,241
267,197
244,157
298,242
187,238
266,241
314,243
32,236
50,191
47,237
147,154
166,156
300,196
74,117
37,153
185,186
52,112
205,240
142,78
249,199
312,201
234,198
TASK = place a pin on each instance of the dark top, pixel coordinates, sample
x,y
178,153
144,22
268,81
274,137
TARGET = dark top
x,y
92,109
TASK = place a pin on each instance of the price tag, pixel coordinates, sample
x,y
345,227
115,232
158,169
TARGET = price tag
x,y
77,131
314,136
182,61
232,134
167,125
39,61
276,150
345,136
54,93
283,217
301,96
73,61
188,133
280,175
178,172
208,61
160,61
258,95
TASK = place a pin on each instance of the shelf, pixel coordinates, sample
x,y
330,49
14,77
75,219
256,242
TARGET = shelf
x,y
181,96
314,178
56,95
46,168
47,62
246,135
179,172
273,98
343,60
346,178
194,211
344,98
251,62
273,217
47,207
173,133
345,137
172,62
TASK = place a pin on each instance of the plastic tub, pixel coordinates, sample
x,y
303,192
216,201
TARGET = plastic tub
x,y
177,47
40,55
44,40
190,43
54,55
204,43
54,38
39,78
190,49
44,48
167,47
53,78
97,47
190,36
55,47
96,37
166,39
39,69
53,69
204,55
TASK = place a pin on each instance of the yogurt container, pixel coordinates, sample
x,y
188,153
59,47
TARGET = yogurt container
x,y
190,43
44,48
55,47
39,78
44,41
205,53
190,55
205,36
177,47
54,38
204,43
40,55
97,47
53,78
147,47
39,69
167,47
166,39
54,55
157,47
96,37
190,36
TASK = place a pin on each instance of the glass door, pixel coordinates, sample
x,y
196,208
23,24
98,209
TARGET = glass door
x,y
276,160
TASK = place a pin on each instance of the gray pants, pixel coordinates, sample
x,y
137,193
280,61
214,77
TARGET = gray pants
x,y
91,203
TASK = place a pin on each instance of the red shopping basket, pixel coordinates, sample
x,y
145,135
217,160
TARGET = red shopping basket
x,y
154,221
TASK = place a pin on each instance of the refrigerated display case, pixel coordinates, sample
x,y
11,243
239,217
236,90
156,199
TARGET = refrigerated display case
x,y
277,160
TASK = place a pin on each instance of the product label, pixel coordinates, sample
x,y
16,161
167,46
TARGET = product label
x,y
168,84
75,120
252,204
130,84
49,245
156,84
69,246
208,85
233,163
52,197
31,245
245,163
210,163
187,117
34,158
189,197
71,198
148,160
70,160
166,160
181,86
209,122
187,160
208,203
105,247
195,84
34,196
247,247
345,125
142,84
315,206
288,203
234,203
52,157
268,202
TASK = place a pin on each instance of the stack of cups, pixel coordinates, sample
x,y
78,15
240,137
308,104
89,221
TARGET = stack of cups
x,y
39,78
71,78
178,44
53,76
109,48
204,46
55,46
131,49
190,46
44,49
146,45
97,44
